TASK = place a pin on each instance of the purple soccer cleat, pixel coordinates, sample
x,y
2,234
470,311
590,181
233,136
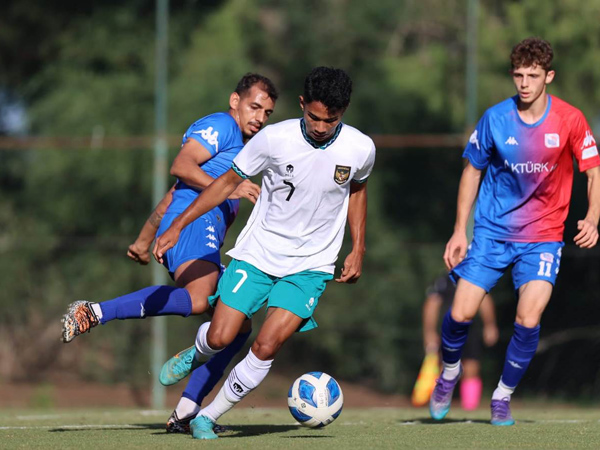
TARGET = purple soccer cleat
x,y
501,415
441,397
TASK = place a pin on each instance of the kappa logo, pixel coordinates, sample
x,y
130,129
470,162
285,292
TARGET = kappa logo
x,y
473,139
210,228
514,364
210,136
341,174
588,140
552,140
511,141
211,237
289,170
211,245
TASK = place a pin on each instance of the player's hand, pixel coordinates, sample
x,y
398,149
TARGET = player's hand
x,y
246,189
352,269
490,335
165,241
137,253
456,249
588,234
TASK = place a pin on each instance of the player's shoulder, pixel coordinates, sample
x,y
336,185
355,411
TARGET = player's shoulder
x,y
283,127
358,137
564,109
503,108
221,119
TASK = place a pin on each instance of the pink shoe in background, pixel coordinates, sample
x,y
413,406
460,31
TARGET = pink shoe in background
x,y
470,393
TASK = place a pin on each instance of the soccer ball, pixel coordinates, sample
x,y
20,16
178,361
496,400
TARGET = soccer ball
x,y
315,399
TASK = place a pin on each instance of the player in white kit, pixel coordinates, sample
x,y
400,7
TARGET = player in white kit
x,y
314,179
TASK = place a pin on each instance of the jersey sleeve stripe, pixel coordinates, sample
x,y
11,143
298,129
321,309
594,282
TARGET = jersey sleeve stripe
x,y
364,180
237,170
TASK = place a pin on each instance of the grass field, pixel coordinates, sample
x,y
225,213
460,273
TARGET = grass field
x,y
543,427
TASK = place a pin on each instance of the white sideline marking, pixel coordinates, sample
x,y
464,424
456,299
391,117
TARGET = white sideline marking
x,y
73,427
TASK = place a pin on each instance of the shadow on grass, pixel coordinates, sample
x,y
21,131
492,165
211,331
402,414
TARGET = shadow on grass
x,y
232,431
430,421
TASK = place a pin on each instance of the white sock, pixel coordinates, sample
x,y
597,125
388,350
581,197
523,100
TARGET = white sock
x,y
186,408
202,344
451,371
244,378
502,392
97,310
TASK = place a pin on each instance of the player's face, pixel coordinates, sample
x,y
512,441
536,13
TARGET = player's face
x,y
251,110
531,82
320,123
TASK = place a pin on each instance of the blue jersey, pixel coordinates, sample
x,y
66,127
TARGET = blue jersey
x,y
525,194
221,136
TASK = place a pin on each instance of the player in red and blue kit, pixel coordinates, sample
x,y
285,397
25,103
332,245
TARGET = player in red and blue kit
x,y
208,148
527,144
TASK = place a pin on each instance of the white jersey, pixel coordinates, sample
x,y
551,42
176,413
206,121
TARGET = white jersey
x,y
299,218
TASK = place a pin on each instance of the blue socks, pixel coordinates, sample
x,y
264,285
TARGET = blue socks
x,y
519,354
454,336
150,301
204,378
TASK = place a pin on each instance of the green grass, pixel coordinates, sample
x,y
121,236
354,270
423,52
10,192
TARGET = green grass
x,y
545,427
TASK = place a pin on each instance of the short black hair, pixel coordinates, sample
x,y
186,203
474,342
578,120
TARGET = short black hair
x,y
251,79
330,86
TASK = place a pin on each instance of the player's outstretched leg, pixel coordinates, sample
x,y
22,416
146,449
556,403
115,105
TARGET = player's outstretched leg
x,y
80,318
501,415
441,397
179,366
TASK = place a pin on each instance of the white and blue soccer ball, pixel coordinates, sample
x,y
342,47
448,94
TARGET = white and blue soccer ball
x,y
315,399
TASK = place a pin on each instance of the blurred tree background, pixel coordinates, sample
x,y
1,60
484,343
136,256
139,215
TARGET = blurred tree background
x,y
86,69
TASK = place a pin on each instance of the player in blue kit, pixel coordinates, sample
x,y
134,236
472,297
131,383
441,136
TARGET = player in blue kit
x,y
208,148
527,144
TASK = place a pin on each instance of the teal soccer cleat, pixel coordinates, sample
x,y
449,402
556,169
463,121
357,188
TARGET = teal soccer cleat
x,y
178,367
202,428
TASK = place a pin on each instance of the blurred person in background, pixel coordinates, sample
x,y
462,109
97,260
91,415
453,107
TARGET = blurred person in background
x,y
526,144
315,171
437,302
208,148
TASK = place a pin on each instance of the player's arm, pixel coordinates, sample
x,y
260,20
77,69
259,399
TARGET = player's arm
x,y
431,314
588,227
487,312
139,251
357,220
215,194
467,192
186,167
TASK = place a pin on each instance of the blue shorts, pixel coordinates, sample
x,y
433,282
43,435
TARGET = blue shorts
x,y
487,260
201,239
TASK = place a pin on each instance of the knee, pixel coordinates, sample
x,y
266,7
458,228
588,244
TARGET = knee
x,y
218,338
529,320
265,349
199,304
461,316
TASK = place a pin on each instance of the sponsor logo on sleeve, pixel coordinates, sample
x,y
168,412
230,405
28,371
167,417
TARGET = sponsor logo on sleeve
x,y
589,146
473,139
552,140
210,136
341,174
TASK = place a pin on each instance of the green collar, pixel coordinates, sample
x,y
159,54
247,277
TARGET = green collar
x,y
316,144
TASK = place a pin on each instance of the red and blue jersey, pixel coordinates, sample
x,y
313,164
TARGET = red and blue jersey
x,y
526,191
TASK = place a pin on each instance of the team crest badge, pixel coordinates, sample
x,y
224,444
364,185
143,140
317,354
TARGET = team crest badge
x,y
342,173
